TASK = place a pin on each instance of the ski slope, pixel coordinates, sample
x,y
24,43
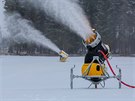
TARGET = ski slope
x,y
28,78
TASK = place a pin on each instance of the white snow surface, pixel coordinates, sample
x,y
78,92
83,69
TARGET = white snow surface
x,y
29,78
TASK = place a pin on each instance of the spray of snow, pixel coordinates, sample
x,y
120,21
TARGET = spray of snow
x,y
14,27
23,31
68,12
3,29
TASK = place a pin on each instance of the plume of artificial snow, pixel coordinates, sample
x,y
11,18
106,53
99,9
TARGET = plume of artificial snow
x,y
22,31
67,12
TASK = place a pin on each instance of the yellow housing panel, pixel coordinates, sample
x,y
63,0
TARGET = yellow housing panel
x,y
94,70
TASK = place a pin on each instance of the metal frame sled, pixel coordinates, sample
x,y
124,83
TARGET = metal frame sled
x,y
97,79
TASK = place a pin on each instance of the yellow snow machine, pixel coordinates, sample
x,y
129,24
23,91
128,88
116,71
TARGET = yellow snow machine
x,y
94,68
63,56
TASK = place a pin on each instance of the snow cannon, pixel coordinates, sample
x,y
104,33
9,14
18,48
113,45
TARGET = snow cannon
x,y
63,56
94,68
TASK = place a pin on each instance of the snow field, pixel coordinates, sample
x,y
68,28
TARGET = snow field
x,y
27,78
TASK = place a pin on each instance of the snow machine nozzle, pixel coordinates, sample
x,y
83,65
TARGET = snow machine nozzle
x,y
63,56
93,40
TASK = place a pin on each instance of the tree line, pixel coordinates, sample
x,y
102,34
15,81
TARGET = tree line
x,y
113,19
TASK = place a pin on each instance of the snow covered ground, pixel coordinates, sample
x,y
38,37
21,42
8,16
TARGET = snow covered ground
x,y
28,78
